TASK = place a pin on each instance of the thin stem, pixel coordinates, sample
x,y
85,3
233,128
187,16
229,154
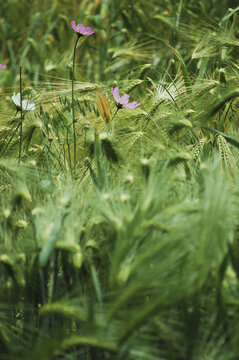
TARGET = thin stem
x,y
9,132
72,100
115,113
86,128
20,145
85,142
54,264
46,154
113,119
68,147
3,151
43,289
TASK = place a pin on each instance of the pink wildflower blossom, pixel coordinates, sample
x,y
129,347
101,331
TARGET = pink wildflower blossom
x,y
81,30
124,100
2,67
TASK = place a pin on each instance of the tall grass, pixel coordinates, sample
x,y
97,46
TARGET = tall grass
x,y
134,255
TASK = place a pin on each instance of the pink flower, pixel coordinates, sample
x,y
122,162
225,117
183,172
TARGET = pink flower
x,y
124,100
81,30
2,67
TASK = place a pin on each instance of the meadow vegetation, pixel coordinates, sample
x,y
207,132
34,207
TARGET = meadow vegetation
x,y
119,229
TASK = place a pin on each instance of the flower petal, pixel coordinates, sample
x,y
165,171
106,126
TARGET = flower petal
x,y
73,24
18,96
13,98
80,28
115,93
31,107
27,106
24,104
16,99
124,99
88,31
131,105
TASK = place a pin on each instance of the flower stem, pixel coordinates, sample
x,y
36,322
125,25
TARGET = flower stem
x,y
112,119
68,147
72,101
20,144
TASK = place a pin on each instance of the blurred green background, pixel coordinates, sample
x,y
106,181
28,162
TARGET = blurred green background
x,y
38,35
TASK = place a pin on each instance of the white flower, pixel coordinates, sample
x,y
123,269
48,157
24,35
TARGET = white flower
x,y
25,103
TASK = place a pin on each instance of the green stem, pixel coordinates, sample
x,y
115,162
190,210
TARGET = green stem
x,y
68,147
3,151
20,145
113,119
52,288
43,289
9,132
46,154
85,142
72,100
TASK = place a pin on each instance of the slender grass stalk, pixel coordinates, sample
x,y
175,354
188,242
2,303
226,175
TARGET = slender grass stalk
x,y
68,146
20,144
85,141
2,153
72,100
43,290
86,128
54,265
9,132
46,154
113,120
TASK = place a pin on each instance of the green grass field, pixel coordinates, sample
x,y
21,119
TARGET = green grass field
x,y
119,221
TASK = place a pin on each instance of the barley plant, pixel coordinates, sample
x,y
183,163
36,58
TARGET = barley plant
x,y
119,172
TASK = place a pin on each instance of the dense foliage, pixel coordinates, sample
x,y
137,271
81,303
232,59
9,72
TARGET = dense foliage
x,y
119,227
